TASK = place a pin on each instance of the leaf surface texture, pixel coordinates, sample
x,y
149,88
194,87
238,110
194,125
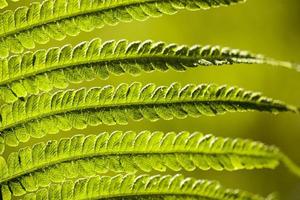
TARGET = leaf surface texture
x,y
44,70
55,19
48,113
81,156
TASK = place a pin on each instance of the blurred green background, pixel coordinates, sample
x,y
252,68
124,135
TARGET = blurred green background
x,y
261,26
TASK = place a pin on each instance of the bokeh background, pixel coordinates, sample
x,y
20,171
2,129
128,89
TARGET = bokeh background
x,y
261,26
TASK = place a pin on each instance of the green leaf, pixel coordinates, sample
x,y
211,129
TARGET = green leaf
x,y
163,187
48,113
55,19
44,70
80,156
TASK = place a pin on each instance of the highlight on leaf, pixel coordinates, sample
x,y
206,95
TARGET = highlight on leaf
x,y
54,19
163,187
49,113
3,4
43,70
128,152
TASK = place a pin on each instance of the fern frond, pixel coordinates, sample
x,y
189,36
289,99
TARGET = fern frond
x,y
44,70
81,156
141,187
48,113
54,19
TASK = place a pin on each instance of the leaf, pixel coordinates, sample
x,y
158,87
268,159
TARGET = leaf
x,y
81,156
44,70
54,19
48,113
141,187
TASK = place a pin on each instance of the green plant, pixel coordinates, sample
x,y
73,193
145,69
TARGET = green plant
x,y
33,107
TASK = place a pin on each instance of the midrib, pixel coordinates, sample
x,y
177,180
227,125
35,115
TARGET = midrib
x,y
153,194
125,153
122,58
138,103
97,60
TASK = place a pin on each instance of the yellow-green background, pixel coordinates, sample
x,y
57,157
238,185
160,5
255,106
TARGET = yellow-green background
x,y
261,26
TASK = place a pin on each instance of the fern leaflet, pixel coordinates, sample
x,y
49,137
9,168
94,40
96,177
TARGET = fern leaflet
x,y
158,187
54,19
44,70
80,156
48,113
